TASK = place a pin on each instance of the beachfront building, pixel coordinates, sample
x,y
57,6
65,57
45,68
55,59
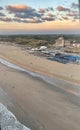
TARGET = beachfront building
x,y
60,42
67,43
77,45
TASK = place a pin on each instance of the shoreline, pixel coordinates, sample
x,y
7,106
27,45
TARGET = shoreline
x,y
8,119
22,116
47,104
71,88
41,69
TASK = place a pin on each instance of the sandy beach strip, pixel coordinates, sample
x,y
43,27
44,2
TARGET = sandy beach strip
x,y
45,106
70,72
39,105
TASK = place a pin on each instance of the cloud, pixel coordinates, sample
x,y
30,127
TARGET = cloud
x,y
50,15
19,8
1,8
45,10
5,19
65,18
23,11
74,5
60,8
34,21
27,14
42,10
19,20
76,17
27,21
51,8
72,14
1,14
48,19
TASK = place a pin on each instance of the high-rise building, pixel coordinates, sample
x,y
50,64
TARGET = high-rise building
x,y
60,42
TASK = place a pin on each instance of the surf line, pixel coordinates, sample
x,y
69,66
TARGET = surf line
x,y
52,81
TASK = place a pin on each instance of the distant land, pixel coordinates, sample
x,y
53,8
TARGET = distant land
x,y
38,40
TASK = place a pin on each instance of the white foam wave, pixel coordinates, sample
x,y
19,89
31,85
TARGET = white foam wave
x,y
8,121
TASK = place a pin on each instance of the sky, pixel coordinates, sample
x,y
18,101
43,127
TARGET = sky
x,y
39,17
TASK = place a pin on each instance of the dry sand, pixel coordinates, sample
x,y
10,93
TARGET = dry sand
x,y
45,106
14,54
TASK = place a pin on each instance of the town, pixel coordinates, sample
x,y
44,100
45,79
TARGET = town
x,y
58,48
64,51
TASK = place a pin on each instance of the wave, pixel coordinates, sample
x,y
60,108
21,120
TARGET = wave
x,y
8,121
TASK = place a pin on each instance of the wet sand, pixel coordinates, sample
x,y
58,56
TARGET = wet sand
x,y
39,105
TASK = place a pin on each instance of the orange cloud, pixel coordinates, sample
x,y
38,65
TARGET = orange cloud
x,y
17,7
42,10
60,8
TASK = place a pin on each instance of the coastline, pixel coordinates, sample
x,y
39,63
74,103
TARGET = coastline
x,y
67,72
13,105
60,83
41,106
8,120
45,106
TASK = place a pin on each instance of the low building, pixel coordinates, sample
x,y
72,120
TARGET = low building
x,y
63,58
75,45
67,43
61,42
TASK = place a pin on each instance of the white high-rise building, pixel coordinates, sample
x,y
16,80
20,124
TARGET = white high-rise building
x,y
60,42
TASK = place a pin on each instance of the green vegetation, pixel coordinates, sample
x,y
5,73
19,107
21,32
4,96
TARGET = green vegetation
x,y
37,40
72,38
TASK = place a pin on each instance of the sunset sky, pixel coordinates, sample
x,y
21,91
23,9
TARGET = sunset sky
x,y
39,16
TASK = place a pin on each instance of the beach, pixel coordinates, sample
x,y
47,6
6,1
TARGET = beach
x,y
70,72
44,106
